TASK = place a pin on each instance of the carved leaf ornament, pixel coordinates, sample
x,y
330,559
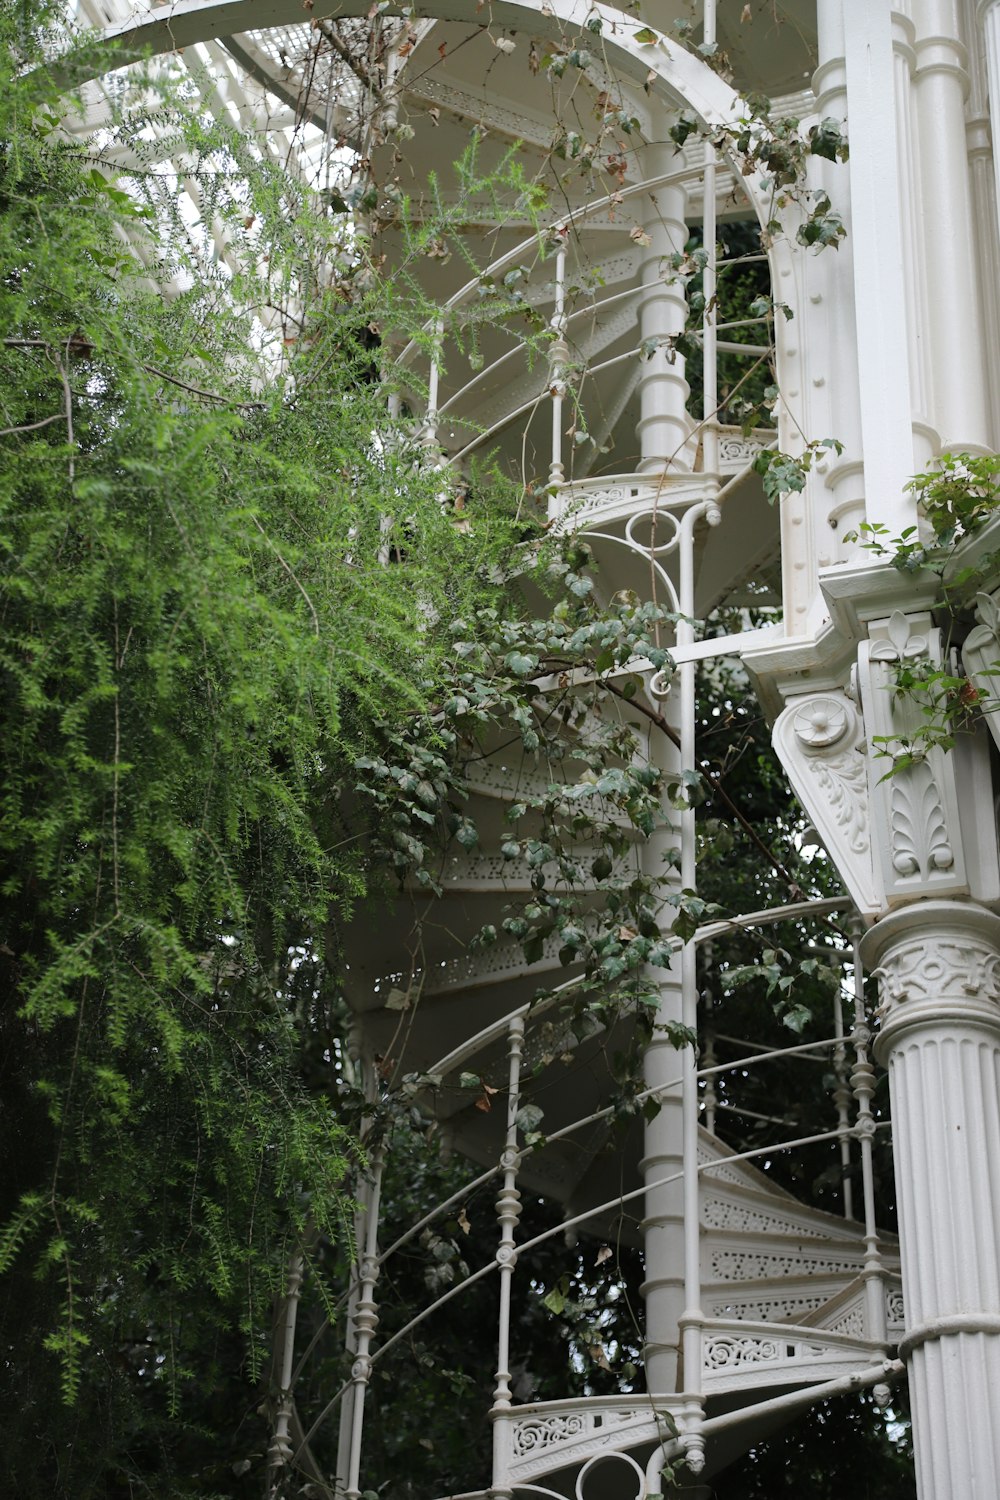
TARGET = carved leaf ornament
x,y
900,644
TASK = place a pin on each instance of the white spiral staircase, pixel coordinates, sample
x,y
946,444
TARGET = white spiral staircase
x,y
791,1296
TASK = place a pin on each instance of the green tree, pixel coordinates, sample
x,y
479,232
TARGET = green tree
x,y
198,639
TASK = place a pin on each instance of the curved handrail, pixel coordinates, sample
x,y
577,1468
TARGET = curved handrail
x,y
768,917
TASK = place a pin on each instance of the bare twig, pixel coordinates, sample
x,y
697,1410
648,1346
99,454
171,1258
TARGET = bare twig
x,y
291,574
197,390
77,345
32,426
356,65
68,408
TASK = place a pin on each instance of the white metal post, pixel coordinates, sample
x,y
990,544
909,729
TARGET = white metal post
x,y
280,1451
693,1317
834,361
429,437
957,357
879,298
842,1101
710,375
508,1206
863,1084
558,355
662,1161
365,1322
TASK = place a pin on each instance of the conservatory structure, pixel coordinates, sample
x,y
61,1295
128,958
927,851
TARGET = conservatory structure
x,y
660,133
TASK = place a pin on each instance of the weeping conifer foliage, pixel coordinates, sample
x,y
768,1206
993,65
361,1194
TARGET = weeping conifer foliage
x,y
197,639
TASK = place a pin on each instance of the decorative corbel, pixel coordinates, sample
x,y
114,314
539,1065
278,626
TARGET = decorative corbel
x,y
916,832
820,741
981,658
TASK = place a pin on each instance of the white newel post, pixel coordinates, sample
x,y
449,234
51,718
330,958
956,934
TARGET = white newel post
x,y
938,966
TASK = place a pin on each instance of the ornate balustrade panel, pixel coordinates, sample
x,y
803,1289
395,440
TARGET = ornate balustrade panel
x,y
469,970
551,1436
741,1354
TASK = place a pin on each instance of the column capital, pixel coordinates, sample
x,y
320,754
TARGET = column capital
x,y
936,961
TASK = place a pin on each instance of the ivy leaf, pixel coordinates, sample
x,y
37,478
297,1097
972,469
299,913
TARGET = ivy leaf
x,y
556,1299
681,129
528,1118
467,834
797,1018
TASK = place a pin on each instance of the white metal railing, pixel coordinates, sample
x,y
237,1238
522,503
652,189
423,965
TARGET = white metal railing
x,y
820,1347
559,364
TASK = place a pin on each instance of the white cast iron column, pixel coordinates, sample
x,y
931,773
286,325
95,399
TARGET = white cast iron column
x,y
938,964
663,1159
663,424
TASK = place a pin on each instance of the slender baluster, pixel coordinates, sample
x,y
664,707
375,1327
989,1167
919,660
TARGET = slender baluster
x,y
280,1451
365,1324
508,1206
429,438
709,1096
842,1101
356,1073
710,376
863,1083
558,357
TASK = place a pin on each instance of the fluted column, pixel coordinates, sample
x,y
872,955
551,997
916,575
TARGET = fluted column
x,y
834,379
941,82
912,214
989,13
938,965
883,375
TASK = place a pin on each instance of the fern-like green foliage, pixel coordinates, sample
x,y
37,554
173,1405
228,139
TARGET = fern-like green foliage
x,y
199,492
